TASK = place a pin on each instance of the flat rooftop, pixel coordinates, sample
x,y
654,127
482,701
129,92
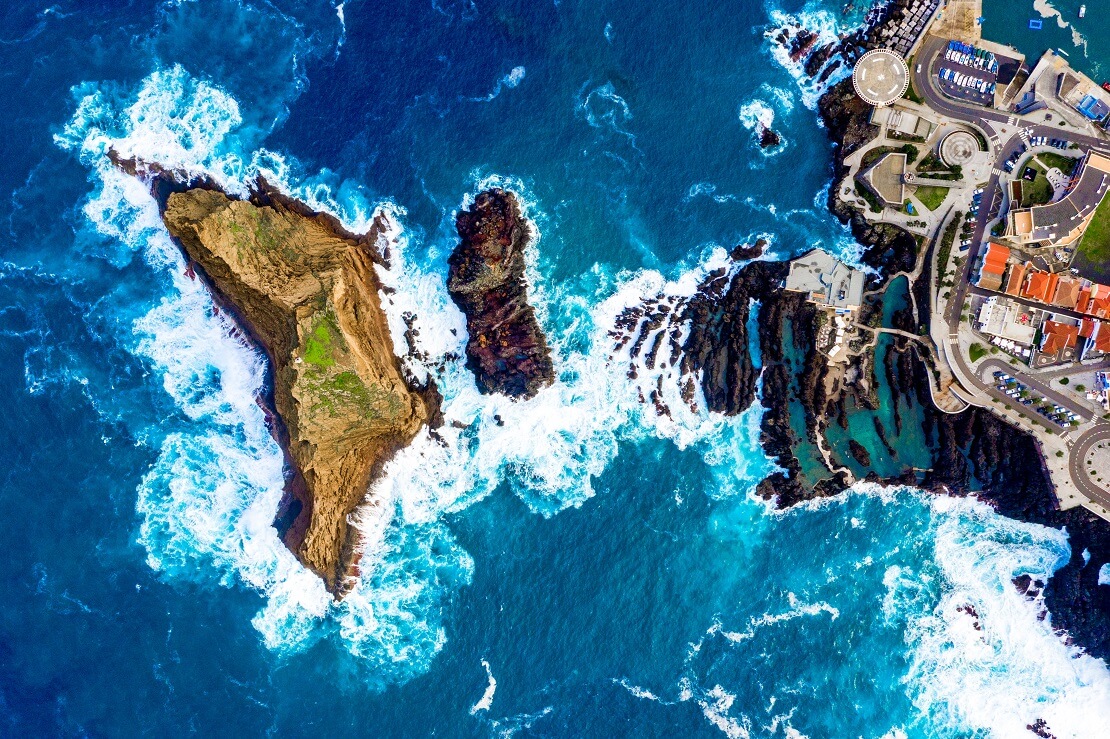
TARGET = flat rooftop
x,y
826,280
1063,222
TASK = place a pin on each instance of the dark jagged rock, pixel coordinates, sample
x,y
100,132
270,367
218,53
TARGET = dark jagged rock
x,y
768,138
506,349
746,252
716,349
859,452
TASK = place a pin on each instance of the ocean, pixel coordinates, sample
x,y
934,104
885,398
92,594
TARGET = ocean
x,y
588,568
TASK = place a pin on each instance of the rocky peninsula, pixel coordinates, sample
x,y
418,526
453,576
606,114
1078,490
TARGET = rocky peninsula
x,y
306,293
506,349
973,452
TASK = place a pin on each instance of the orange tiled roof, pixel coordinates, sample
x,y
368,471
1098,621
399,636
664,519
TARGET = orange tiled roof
x,y
1058,336
1099,307
1067,292
1102,338
994,262
1040,286
1015,278
1087,328
1084,301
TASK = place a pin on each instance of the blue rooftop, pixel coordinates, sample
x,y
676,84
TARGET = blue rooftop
x,y
1093,108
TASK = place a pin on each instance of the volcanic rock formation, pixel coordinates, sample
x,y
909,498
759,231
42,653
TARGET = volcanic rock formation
x,y
506,349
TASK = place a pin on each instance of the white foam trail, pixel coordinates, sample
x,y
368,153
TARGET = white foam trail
x,y
487,697
510,80
797,610
716,704
986,658
1047,10
1104,574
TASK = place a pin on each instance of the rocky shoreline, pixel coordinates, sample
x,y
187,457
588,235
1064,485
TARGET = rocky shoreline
x,y
974,449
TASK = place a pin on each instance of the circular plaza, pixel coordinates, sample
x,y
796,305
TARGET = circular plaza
x,y
958,148
880,77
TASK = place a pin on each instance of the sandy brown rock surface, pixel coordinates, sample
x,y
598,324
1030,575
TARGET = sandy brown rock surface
x,y
307,292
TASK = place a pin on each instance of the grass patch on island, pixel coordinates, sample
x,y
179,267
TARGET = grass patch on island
x,y
320,344
976,352
932,197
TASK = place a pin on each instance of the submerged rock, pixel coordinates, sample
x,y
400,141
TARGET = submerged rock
x,y
306,291
506,349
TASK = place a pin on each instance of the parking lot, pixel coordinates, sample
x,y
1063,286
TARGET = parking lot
x,y
1020,393
970,74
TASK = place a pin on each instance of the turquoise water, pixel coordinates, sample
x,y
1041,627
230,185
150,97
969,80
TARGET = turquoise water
x,y
587,569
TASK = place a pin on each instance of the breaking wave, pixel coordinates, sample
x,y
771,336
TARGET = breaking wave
x,y
212,494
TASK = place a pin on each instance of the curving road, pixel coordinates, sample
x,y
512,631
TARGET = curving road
x,y
986,375
989,121
1077,467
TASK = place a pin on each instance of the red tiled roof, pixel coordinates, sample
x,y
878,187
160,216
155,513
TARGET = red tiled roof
x,y
1040,286
1084,301
1067,292
994,261
1015,278
1087,328
1099,307
1102,338
1058,336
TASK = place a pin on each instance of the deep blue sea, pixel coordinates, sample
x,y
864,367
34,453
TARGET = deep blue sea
x,y
587,569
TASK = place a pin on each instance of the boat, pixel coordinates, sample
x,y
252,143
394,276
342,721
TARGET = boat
x,y
1082,11
1106,86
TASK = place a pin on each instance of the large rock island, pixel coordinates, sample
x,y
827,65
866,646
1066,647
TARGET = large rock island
x,y
306,291
506,349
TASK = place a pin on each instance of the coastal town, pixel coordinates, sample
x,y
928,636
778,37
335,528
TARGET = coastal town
x,y
999,167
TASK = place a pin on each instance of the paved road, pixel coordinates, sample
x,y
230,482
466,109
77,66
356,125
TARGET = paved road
x,y
990,121
1102,365
1077,466
986,374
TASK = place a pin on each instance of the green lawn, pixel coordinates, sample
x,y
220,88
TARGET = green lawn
x,y
932,197
1095,245
1037,192
1060,162
976,352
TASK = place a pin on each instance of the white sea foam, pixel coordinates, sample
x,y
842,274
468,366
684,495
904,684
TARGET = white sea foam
x,y
1104,574
509,80
797,610
986,658
824,24
716,705
487,697
198,507
1047,10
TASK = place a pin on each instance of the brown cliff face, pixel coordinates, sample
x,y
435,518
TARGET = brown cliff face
x,y
307,292
506,349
